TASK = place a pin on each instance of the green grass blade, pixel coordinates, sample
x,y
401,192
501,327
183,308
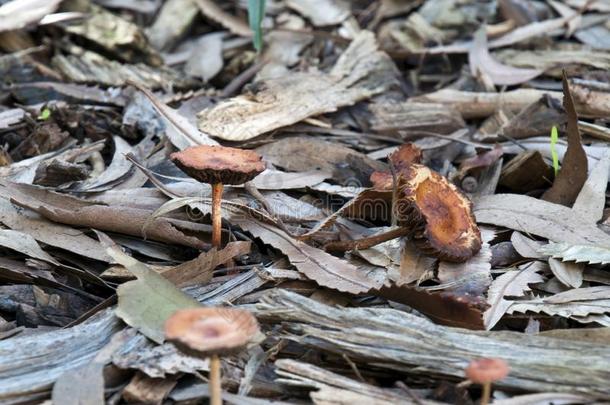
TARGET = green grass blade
x,y
554,139
256,12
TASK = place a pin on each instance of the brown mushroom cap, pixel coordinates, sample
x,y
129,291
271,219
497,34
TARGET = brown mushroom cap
x,y
485,371
219,164
205,331
382,181
442,215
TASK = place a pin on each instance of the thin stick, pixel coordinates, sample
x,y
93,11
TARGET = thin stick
x,y
215,386
216,216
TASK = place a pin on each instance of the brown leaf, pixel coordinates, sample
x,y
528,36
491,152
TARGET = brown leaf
x,y
574,166
130,221
199,270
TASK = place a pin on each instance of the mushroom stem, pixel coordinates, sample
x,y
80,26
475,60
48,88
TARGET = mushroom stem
x,y
486,393
216,217
365,243
215,387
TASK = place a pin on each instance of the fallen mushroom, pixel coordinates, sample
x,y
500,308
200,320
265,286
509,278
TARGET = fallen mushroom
x,y
402,157
442,216
211,332
217,166
485,372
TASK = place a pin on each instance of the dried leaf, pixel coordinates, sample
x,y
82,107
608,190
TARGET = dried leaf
x,y
147,302
530,215
525,246
576,253
25,244
591,200
272,179
413,265
180,131
581,294
199,270
574,167
18,14
472,277
481,62
322,13
570,274
514,283
361,72
579,311
319,266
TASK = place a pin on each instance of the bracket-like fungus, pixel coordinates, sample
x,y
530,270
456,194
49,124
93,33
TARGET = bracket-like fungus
x,y
485,372
211,332
442,216
218,165
405,155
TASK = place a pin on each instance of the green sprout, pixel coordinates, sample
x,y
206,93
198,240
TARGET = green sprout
x,y
44,114
554,139
256,12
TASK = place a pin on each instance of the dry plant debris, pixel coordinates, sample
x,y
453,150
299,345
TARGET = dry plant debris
x,y
386,190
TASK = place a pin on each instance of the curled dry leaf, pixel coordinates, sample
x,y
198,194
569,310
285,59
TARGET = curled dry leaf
x,y
441,214
481,62
569,274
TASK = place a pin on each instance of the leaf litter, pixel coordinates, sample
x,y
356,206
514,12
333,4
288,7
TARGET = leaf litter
x,y
336,249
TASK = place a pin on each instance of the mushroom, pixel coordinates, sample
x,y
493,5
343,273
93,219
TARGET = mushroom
x,y
402,157
485,372
442,216
211,332
217,166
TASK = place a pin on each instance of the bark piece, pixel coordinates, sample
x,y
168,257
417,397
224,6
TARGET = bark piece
x,y
146,390
526,172
396,340
361,72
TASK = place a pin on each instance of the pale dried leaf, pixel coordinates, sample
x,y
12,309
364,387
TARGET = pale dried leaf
x,y
525,246
578,311
591,200
180,131
18,14
514,283
213,11
272,179
480,60
530,215
576,253
322,12
580,294
570,274
25,244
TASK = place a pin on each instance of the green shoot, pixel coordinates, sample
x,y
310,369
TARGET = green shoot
x,y
44,114
256,12
554,139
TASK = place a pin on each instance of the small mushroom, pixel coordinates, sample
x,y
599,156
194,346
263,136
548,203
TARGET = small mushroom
x,y
217,166
442,216
485,372
211,332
